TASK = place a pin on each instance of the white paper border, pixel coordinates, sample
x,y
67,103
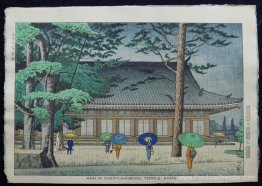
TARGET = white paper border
x,y
187,14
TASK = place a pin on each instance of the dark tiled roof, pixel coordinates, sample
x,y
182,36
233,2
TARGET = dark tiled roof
x,y
160,91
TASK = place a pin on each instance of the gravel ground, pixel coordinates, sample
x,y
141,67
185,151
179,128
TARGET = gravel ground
x,y
199,169
92,160
136,154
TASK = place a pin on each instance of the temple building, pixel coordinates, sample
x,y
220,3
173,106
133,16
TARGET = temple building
x,y
143,100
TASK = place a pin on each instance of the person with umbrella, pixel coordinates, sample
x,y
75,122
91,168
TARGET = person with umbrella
x,y
217,136
118,140
192,141
70,145
70,142
148,139
106,137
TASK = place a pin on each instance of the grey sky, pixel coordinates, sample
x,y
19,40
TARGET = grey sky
x,y
225,78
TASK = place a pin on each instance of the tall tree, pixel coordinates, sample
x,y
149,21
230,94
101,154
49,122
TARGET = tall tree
x,y
240,133
180,76
224,126
232,127
61,48
166,41
26,35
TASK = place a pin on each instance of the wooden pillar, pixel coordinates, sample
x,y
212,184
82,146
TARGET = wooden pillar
x,y
191,125
155,126
135,129
98,127
188,127
114,126
206,127
151,125
132,127
170,127
95,127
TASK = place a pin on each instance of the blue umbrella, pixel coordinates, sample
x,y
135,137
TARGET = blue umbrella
x,y
142,138
119,138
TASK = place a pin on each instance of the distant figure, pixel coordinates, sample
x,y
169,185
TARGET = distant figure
x,y
111,148
57,142
117,149
70,145
190,155
107,146
149,148
216,142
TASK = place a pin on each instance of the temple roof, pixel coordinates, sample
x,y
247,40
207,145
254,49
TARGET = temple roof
x,y
152,84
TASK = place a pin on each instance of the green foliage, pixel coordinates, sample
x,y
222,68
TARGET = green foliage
x,y
38,68
58,124
19,54
76,28
71,122
73,98
41,113
239,153
104,45
64,42
19,120
19,91
201,69
60,119
161,40
26,33
240,132
89,81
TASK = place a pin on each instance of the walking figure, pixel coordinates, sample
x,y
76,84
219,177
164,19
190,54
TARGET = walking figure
x,y
148,139
70,145
149,148
190,155
191,141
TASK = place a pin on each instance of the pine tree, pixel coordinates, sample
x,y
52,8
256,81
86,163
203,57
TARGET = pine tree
x,y
224,126
240,133
57,70
166,40
232,128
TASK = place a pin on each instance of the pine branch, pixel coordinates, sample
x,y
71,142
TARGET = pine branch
x,y
164,61
164,36
58,49
23,109
48,42
78,61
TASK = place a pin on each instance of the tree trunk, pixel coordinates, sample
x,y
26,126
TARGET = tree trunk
x,y
42,47
180,76
47,155
240,146
29,120
48,159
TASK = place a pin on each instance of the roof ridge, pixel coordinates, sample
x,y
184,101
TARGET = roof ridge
x,y
225,96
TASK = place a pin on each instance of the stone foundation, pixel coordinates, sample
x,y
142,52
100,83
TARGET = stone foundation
x,y
26,161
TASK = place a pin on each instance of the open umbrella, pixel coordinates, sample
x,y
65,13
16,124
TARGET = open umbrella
x,y
218,134
70,135
191,139
105,136
142,139
119,138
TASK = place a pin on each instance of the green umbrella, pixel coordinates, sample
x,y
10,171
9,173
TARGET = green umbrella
x,y
191,139
105,136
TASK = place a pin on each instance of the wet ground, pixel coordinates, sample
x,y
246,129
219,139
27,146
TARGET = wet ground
x,y
93,161
199,169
